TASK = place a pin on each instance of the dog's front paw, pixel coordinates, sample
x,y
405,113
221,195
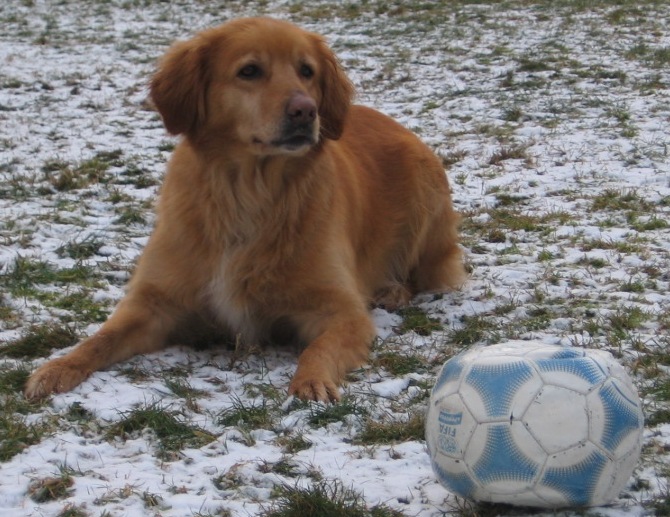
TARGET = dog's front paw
x,y
309,388
56,376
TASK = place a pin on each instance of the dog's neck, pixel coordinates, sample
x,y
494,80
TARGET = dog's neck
x,y
267,195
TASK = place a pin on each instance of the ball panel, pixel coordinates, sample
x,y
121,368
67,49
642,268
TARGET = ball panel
x,y
578,373
575,474
622,470
616,418
450,425
542,351
499,389
498,462
449,377
557,418
459,483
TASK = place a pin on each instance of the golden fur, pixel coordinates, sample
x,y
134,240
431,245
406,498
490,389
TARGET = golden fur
x,y
285,211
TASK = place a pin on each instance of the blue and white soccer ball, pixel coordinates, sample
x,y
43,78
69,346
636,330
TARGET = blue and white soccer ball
x,y
530,424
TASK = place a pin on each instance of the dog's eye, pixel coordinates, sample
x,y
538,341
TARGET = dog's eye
x,y
250,72
306,71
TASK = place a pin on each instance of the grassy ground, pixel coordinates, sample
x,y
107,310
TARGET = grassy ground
x,y
552,117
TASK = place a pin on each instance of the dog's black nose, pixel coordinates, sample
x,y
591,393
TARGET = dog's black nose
x,y
301,109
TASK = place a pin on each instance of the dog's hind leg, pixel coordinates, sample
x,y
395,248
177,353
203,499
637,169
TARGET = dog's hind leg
x,y
440,263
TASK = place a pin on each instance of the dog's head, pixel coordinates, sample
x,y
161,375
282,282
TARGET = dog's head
x,y
257,82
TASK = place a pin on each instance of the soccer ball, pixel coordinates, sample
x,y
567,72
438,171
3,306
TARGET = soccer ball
x,y
530,424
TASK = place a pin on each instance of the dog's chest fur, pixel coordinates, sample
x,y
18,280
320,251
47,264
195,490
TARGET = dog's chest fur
x,y
260,243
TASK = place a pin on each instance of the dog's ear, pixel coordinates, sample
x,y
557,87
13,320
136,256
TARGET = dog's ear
x,y
337,93
179,87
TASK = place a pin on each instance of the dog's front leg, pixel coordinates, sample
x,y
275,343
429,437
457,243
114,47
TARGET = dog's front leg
x,y
139,325
340,344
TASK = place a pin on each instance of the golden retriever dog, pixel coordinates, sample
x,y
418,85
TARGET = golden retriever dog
x,y
286,211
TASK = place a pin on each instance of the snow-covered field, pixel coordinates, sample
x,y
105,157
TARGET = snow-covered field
x,y
554,120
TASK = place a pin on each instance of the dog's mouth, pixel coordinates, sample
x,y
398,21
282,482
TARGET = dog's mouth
x,y
294,142
291,140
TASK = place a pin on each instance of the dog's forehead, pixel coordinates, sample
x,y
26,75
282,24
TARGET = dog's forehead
x,y
270,38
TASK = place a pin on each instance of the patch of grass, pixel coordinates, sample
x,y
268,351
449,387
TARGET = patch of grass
x,y
623,246
503,219
12,379
16,435
651,224
181,388
594,262
321,415
658,417
81,304
173,434
515,220
660,57
374,432
512,114
51,489
397,363
137,176
73,511
612,199
625,319
81,249
510,153
25,275
504,199
77,413
39,341
453,157
130,215
415,319
284,467
661,390
294,443
632,286
247,415
323,499
65,177
475,329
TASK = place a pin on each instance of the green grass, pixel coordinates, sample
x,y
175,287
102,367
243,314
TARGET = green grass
x,y
16,434
25,276
323,499
322,415
474,329
172,431
65,177
39,341
611,199
81,249
12,378
416,320
375,432
400,363
248,415
294,443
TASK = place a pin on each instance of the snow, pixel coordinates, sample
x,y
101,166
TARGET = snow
x,y
81,70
